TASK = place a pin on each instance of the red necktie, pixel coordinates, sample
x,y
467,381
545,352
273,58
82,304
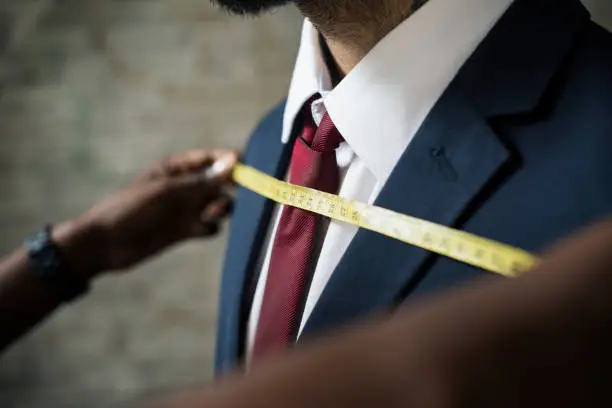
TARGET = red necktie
x,y
313,164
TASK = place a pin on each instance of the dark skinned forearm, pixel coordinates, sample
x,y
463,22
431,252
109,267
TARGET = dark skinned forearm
x,y
24,300
168,204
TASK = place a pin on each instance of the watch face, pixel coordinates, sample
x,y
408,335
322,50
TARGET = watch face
x,y
37,241
41,251
49,268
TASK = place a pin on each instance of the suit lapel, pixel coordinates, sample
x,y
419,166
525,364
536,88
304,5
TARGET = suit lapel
x,y
451,160
456,160
251,216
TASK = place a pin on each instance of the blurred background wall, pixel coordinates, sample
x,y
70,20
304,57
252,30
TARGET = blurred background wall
x,y
92,92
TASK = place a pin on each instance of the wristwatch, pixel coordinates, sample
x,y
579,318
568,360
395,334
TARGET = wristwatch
x,y
51,269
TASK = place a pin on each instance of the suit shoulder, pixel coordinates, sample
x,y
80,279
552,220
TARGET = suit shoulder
x,y
584,83
598,35
593,50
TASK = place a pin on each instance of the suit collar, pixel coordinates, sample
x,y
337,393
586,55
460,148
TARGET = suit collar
x,y
454,159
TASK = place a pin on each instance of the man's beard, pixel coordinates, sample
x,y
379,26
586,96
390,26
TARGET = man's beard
x,y
254,7
250,7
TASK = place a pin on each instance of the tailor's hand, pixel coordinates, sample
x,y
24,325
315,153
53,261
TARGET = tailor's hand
x,y
170,203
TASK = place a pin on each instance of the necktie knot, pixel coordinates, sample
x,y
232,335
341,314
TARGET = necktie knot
x,y
327,138
322,139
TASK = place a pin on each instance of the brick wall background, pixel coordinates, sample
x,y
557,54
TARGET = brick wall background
x,y
92,93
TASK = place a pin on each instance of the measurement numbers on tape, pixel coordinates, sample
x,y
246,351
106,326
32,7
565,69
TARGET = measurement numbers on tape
x,y
489,255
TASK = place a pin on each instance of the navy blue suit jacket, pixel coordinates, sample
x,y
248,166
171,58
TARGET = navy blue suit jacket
x,y
518,149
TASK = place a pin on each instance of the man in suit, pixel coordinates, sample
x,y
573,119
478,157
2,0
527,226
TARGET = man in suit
x,y
491,116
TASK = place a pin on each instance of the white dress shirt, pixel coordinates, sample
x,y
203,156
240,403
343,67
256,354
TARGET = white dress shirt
x,y
378,108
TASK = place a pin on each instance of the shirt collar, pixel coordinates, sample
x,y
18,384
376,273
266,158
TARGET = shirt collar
x,y
310,76
379,106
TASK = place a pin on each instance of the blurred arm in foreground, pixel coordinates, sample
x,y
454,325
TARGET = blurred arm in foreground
x,y
172,202
542,340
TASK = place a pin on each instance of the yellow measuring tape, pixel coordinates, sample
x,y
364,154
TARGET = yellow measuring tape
x,y
492,256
